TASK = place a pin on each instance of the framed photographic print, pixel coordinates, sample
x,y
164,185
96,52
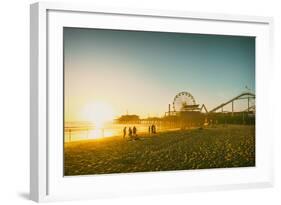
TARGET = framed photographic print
x,y
127,102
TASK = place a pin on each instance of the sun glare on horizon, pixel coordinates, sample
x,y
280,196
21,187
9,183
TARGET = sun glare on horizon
x,y
97,113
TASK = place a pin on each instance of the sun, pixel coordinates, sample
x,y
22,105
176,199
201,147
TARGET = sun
x,y
97,113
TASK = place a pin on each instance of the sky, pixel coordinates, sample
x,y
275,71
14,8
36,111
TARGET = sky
x,y
140,72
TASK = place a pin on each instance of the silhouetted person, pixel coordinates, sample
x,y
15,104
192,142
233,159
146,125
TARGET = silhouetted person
x,y
134,131
130,132
149,129
153,127
124,132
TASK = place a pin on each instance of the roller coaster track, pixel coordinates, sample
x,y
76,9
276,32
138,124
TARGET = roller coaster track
x,y
245,95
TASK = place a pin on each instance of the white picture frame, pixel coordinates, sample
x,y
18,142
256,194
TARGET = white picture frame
x,y
47,182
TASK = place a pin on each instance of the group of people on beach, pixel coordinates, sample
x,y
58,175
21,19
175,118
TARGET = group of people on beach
x,y
132,132
152,129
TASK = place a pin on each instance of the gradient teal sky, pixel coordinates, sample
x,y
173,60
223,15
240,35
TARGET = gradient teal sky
x,y
142,71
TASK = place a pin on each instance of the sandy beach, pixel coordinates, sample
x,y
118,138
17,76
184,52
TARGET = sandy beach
x,y
218,147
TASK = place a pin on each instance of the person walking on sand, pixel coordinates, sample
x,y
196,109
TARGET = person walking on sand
x,y
134,131
124,132
149,129
153,129
130,132
135,136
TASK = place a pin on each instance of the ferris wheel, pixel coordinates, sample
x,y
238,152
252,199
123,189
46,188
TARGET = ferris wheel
x,y
184,101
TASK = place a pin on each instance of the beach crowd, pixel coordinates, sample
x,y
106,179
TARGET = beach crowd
x,y
132,132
